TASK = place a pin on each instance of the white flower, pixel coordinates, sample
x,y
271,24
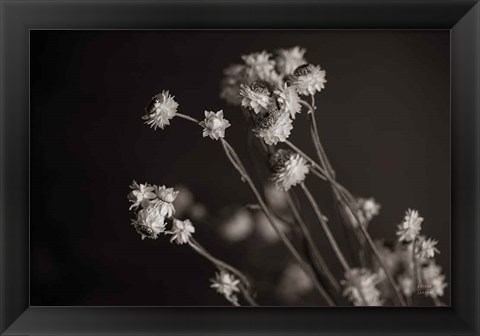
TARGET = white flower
x,y
365,281
369,207
289,169
227,285
274,127
289,100
234,76
290,59
427,248
182,231
149,222
406,285
307,79
214,125
162,108
411,226
166,196
238,227
255,96
141,194
294,283
259,66
434,279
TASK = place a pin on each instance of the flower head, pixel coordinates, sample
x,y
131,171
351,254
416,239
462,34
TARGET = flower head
x,y
360,287
182,231
161,109
427,249
289,100
434,278
227,285
369,207
411,226
290,59
234,76
238,226
141,194
166,196
273,127
214,125
260,66
255,96
307,79
289,169
149,222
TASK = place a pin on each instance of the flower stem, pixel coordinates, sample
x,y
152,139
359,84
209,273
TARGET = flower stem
x,y
184,116
233,157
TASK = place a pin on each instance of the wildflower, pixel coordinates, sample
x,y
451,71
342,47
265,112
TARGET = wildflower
x,y
294,283
255,96
411,226
141,194
238,227
427,248
227,285
273,127
406,285
434,279
289,100
161,109
290,59
259,66
368,207
360,287
307,79
234,76
214,125
182,231
149,222
166,196
289,169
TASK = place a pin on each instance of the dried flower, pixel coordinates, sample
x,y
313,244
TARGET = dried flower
x,y
259,66
289,169
290,59
273,127
255,96
411,226
360,285
427,248
434,278
369,207
161,109
227,285
149,222
182,231
289,100
234,76
166,196
214,125
238,227
141,194
307,79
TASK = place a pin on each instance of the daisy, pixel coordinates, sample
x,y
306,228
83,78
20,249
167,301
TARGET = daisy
x,y
289,100
166,196
162,108
289,169
273,127
227,285
141,194
307,79
149,222
214,125
290,59
411,226
182,231
255,96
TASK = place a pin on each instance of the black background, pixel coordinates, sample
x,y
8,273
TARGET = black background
x,y
384,119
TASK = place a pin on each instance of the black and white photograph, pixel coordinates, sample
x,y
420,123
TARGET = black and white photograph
x,y
283,168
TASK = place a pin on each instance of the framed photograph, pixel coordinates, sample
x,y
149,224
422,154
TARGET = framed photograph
x,y
239,168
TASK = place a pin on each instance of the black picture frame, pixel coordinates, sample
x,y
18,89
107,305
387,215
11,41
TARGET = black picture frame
x,y
18,17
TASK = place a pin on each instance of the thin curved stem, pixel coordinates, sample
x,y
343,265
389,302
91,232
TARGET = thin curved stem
x,y
187,117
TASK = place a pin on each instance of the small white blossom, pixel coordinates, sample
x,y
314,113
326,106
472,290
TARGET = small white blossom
x,y
227,285
307,79
289,100
369,207
260,66
360,285
255,96
141,194
274,127
435,279
149,222
411,226
166,196
234,76
290,59
162,108
182,231
238,227
214,125
426,248
289,169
